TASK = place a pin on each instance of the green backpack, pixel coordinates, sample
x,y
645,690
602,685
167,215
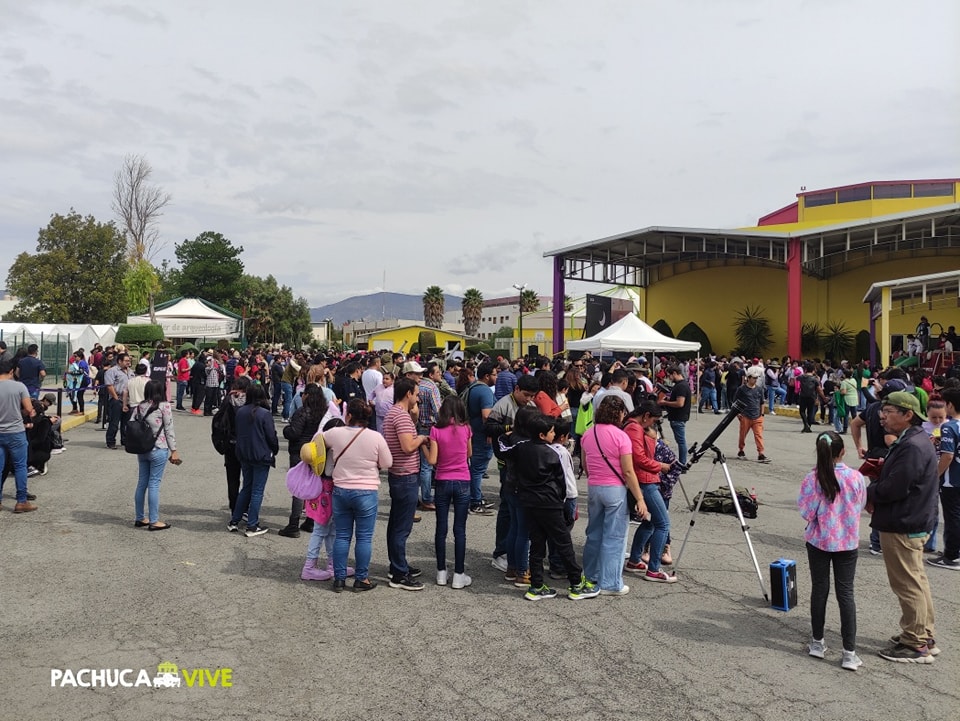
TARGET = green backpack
x,y
584,419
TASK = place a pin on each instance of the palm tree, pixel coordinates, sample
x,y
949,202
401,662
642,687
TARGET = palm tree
x,y
433,301
472,305
529,301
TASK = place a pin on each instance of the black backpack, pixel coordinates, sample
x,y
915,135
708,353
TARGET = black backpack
x,y
140,436
222,427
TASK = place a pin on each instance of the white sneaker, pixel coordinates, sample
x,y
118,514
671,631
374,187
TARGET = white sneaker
x,y
817,649
442,578
57,451
622,592
461,580
851,661
500,563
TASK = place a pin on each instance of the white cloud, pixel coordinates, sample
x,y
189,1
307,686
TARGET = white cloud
x,y
451,143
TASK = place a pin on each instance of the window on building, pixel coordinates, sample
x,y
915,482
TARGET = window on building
x,y
850,195
817,199
900,190
932,190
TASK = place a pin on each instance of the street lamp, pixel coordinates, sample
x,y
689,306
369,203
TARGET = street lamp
x,y
329,326
520,288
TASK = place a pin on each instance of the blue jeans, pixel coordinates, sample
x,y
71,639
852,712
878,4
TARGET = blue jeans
x,y
518,537
322,537
656,531
251,493
457,494
181,391
708,396
14,446
287,390
479,461
403,507
606,536
353,507
148,484
426,472
774,393
680,436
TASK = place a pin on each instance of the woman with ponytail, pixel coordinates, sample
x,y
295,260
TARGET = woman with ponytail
x,y
831,498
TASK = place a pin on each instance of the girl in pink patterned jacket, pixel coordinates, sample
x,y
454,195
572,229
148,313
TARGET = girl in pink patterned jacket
x,y
831,498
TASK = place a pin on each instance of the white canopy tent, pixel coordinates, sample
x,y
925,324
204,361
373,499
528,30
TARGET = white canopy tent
x,y
632,334
80,335
193,318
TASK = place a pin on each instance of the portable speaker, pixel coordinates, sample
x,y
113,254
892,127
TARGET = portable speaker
x,y
783,584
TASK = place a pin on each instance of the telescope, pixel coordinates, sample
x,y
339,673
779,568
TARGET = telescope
x,y
697,451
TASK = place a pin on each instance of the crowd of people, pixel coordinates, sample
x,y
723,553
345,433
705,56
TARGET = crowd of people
x,y
429,428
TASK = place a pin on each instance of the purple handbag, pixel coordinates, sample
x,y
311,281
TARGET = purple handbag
x,y
303,483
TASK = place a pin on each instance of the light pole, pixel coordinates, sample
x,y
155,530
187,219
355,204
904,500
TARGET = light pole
x,y
520,288
328,322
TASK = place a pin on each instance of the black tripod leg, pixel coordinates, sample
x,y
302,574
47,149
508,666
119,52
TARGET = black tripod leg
x,y
693,516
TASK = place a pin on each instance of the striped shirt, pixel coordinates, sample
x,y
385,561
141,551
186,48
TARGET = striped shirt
x,y
398,421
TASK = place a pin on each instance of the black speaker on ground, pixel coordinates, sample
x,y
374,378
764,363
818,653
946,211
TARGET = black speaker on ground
x,y
783,584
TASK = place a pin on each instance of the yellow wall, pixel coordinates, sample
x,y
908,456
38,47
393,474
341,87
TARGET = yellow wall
x,y
712,297
411,335
870,208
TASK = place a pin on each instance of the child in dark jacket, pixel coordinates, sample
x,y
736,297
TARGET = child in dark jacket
x,y
541,490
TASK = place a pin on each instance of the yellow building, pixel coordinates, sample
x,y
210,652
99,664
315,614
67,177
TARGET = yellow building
x,y
808,263
402,339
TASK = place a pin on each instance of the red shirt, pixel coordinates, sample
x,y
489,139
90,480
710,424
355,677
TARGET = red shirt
x,y
547,405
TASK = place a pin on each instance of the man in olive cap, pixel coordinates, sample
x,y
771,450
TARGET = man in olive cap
x,y
903,502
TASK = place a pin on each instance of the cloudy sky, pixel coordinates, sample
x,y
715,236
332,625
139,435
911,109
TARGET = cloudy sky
x,y
452,142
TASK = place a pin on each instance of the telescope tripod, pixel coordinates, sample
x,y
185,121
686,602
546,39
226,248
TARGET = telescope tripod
x,y
719,460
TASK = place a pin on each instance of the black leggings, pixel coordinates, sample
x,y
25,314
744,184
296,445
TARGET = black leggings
x,y
844,569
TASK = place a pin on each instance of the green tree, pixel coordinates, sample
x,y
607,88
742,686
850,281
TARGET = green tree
x,y
837,341
810,338
272,313
71,247
529,301
753,332
472,305
433,302
210,268
141,284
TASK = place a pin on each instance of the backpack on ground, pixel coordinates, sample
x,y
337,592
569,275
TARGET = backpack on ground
x,y
221,428
720,501
140,436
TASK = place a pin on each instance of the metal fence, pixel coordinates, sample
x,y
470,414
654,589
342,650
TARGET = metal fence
x,y
54,350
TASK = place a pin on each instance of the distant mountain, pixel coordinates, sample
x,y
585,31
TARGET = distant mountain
x,y
378,306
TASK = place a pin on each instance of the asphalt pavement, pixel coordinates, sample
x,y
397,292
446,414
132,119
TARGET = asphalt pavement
x,y
81,588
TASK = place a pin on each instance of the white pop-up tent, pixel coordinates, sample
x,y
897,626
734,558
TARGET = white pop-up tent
x,y
632,334
193,318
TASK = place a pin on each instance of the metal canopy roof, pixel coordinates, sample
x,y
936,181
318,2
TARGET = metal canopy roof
x,y
934,284
642,257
